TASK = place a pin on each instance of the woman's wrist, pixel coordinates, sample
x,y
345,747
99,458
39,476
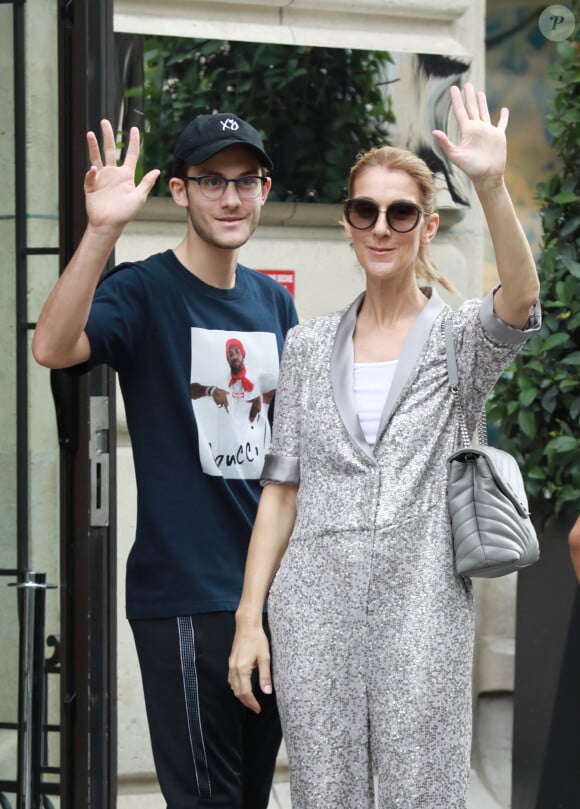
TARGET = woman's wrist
x,y
249,615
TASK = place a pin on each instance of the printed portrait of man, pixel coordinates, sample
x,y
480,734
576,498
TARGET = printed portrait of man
x,y
231,399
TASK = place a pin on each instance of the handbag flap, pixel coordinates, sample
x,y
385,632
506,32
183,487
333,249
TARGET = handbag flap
x,y
504,469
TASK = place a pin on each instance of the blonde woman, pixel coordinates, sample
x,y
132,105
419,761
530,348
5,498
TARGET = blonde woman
x,y
371,627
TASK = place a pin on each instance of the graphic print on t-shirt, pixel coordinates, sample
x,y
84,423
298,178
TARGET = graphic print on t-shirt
x,y
233,380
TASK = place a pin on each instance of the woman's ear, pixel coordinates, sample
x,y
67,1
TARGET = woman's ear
x,y
430,229
179,192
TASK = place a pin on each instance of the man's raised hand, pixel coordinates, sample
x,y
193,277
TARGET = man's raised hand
x,y
112,198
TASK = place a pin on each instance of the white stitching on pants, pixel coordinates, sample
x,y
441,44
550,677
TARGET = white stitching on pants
x,y
191,693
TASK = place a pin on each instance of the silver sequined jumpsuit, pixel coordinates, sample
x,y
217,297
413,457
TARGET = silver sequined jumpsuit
x,y
372,631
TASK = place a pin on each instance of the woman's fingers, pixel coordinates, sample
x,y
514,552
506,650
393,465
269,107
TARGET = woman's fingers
x,y
471,101
483,108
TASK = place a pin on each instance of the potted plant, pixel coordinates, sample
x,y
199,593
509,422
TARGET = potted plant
x,y
536,406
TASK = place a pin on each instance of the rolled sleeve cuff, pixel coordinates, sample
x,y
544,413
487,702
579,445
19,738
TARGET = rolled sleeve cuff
x,y
280,469
502,332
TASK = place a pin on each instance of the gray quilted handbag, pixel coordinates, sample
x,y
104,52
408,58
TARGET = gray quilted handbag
x,y
492,531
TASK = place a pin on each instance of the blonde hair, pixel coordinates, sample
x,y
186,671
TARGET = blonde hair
x,y
391,157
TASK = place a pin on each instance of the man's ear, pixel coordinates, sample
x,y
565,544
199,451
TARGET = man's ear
x,y
179,192
266,189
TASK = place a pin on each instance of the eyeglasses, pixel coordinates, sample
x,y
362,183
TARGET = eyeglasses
x,y
213,186
362,214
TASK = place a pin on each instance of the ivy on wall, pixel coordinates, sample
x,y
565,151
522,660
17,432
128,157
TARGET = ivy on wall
x,y
536,404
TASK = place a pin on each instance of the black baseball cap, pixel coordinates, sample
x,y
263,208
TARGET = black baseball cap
x,y
207,135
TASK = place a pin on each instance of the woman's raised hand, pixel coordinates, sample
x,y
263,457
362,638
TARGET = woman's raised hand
x,y
481,152
112,198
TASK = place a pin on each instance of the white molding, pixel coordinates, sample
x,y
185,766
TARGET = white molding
x,y
418,26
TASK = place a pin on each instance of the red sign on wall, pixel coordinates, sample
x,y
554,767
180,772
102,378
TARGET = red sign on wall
x,y
284,277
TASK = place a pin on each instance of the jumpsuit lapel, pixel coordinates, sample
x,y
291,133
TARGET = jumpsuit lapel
x,y
341,370
342,363
410,353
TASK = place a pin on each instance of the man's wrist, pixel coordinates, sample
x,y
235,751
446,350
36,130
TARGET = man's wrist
x,y
210,390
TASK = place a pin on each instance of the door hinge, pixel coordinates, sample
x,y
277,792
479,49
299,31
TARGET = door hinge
x,y
99,459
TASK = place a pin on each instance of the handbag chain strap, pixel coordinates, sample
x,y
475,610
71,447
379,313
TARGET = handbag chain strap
x,y
454,386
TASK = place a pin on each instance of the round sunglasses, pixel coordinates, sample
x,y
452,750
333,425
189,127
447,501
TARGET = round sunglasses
x,y
362,214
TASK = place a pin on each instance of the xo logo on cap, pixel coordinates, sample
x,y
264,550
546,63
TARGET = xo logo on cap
x,y
230,123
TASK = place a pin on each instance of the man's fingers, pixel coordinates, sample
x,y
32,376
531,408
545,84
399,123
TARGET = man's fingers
x,y
109,145
149,180
94,151
90,178
132,153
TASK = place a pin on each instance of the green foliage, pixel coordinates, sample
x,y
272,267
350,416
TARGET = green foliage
x,y
537,402
316,108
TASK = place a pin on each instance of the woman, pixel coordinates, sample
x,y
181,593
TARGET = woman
x,y
371,628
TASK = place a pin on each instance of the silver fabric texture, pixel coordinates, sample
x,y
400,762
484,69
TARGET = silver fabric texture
x,y
372,631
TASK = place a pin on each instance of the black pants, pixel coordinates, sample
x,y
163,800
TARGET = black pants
x,y
209,750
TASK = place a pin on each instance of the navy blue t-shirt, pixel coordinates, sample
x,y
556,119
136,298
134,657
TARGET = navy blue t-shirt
x,y
197,367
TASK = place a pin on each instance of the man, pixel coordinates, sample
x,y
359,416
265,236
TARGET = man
x,y
154,322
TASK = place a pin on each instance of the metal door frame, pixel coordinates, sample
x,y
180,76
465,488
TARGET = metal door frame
x,y
88,544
